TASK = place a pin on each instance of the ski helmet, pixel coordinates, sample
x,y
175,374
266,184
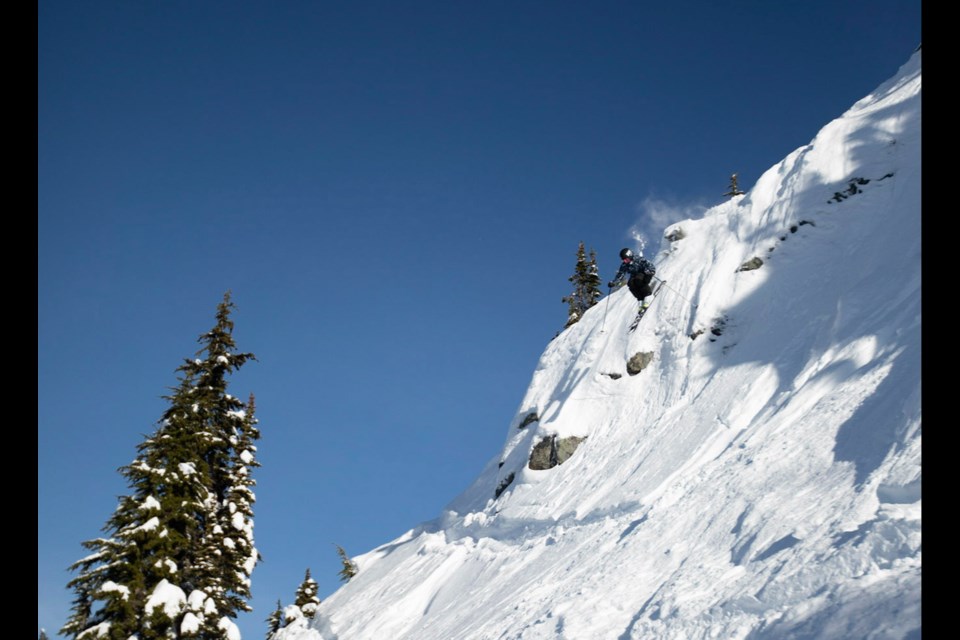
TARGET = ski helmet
x,y
626,254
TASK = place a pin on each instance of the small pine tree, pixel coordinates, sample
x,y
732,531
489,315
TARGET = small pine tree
x,y
178,555
275,621
349,568
734,190
306,597
43,635
586,286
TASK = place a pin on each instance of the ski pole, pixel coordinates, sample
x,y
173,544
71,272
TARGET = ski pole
x,y
663,283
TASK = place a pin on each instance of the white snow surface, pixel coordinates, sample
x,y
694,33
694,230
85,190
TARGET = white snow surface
x,y
168,597
110,585
170,565
760,484
98,631
190,624
197,600
149,525
230,630
150,504
292,612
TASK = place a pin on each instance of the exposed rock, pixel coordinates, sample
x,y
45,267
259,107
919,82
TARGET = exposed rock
x,y
551,451
506,482
615,376
542,455
639,362
752,263
852,190
566,446
676,234
718,326
528,419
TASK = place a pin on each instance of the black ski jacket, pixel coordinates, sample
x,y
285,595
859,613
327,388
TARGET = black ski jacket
x,y
636,267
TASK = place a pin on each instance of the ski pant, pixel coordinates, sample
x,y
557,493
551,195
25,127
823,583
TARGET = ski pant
x,y
639,286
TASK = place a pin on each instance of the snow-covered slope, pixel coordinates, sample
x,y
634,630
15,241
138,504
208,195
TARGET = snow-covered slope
x,y
760,478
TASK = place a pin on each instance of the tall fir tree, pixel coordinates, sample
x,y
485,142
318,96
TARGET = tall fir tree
x,y
586,286
306,597
177,559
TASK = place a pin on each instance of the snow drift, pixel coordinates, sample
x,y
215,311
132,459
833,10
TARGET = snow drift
x,y
759,478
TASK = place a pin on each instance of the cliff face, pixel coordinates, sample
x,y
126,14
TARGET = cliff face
x,y
758,477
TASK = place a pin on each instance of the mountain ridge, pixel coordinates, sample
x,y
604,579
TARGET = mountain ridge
x,y
760,478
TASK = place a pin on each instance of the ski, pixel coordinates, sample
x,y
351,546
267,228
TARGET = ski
x,y
636,320
643,310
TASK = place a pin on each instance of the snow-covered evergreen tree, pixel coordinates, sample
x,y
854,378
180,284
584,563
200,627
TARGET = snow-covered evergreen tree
x,y
349,568
293,615
586,286
275,621
179,551
734,189
306,597
230,554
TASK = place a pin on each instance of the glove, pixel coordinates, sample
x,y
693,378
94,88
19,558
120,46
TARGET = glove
x,y
610,285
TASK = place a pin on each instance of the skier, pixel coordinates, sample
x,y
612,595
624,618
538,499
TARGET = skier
x,y
641,272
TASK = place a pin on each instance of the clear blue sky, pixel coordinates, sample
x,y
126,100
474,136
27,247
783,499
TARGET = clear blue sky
x,y
394,192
